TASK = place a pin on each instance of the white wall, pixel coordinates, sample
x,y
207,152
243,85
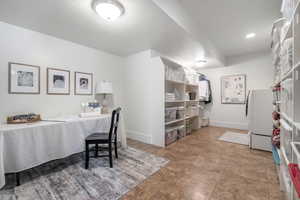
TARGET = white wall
x,y
144,98
259,71
25,46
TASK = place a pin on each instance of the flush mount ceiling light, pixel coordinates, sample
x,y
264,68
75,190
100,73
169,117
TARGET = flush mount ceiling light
x,y
110,10
250,35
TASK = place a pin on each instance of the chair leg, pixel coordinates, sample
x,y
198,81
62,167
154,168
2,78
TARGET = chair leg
x,y
87,155
96,150
116,149
18,178
110,155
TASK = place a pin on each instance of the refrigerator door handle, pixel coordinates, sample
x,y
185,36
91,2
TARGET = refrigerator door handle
x,y
247,103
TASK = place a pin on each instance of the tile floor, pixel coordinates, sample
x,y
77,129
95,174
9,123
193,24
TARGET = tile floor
x,y
203,168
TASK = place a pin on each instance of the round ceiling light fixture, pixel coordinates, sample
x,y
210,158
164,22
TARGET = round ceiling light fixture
x,y
110,10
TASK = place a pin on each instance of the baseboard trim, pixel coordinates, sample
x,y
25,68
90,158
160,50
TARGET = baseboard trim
x,y
242,126
139,136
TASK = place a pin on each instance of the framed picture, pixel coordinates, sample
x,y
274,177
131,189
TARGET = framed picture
x,y
58,81
83,83
23,79
233,89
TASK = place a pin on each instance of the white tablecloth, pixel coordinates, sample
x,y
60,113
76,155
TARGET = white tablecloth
x,y
25,146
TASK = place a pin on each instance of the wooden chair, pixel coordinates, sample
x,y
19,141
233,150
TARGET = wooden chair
x,y
109,138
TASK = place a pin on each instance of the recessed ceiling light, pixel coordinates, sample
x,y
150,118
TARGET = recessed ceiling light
x,y
250,35
201,61
110,10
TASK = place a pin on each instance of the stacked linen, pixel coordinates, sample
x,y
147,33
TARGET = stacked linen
x,y
170,97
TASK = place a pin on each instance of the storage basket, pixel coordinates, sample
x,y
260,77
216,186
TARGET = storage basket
x,y
170,136
170,114
181,132
180,113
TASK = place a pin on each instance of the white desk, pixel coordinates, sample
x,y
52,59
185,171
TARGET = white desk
x,y
28,145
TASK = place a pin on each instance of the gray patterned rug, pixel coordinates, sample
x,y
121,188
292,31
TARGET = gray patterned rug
x,y
67,179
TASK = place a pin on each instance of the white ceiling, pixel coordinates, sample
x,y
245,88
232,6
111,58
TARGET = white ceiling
x,y
184,30
226,22
74,20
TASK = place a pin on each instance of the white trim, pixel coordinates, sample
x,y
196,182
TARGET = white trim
x,y
139,136
242,126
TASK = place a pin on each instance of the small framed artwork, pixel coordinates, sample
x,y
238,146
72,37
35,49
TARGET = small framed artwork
x,y
23,78
58,81
83,83
233,89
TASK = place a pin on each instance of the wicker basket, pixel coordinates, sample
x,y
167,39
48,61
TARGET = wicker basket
x,y
11,120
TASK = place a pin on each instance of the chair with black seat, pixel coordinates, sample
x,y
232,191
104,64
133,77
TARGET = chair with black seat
x,y
109,139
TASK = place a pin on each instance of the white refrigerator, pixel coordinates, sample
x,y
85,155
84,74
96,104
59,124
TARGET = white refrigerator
x,y
260,110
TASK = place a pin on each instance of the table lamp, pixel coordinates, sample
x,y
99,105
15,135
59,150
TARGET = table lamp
x,y
104,88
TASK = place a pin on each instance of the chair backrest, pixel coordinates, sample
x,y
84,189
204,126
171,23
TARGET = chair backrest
x,y
114,124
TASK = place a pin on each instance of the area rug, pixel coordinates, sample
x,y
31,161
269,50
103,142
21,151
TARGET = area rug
x,y
234,137
67,179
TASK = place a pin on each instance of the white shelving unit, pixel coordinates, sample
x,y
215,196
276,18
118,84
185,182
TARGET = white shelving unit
x,y
180,86
287,78
147,102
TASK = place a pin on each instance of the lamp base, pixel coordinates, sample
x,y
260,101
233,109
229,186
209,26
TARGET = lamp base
x,y
105,110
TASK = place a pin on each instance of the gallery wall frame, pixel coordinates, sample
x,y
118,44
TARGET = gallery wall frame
x,y
23,78
58,81
83,83
236,92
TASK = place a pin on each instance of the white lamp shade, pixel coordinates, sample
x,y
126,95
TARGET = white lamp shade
x,y
104,87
